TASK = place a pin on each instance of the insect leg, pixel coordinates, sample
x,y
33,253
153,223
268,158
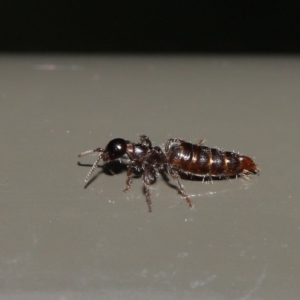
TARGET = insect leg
x,y
149,178
201,143
176,177
145,140
148,196
129,180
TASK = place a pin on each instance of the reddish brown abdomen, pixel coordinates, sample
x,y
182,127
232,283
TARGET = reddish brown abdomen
x,y
248,164
205,161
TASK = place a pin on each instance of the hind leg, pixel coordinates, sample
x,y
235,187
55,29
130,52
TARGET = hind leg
x,y
180,187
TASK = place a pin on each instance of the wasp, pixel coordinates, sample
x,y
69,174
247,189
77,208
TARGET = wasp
x,y
177,158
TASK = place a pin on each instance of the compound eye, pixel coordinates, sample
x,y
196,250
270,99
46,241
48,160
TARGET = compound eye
x,y
116,148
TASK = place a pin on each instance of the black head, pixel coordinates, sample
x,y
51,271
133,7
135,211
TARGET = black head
x,y
116,148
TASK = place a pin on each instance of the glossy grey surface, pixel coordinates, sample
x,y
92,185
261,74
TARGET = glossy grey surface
x,y
61,241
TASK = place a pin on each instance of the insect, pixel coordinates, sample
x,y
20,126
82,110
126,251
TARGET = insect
x,y
177,158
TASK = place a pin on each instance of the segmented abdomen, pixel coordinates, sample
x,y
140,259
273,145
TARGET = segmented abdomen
x,y
205,161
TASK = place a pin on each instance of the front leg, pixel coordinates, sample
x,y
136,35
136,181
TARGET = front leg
x,y
129,179
149,178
